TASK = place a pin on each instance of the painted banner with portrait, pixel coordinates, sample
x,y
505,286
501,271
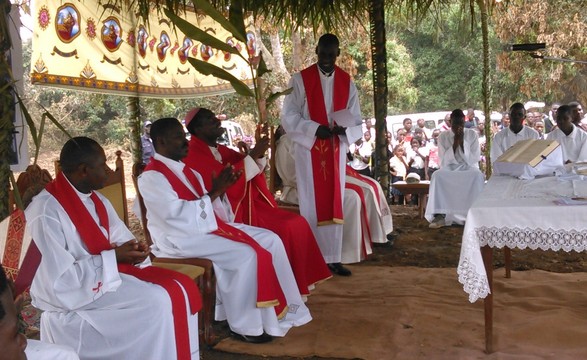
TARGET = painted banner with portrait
x,y
98,47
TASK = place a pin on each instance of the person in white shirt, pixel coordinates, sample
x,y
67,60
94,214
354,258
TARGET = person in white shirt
x,y
517,131
573,140
458,182
539,127
360,153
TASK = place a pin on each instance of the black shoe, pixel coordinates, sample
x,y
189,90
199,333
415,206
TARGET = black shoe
x,y
253,339
338,269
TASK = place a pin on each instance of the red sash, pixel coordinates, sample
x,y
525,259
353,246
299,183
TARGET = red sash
x,y
326,153
96,242
365,220
241,194
269,292
354,174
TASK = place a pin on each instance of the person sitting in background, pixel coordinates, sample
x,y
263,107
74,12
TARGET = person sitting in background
x,y
539,127
94,276
433,159
455,186
550,120
445,124
256,290
577,115
517,131
572,140
417,159
398,167
360,154
146,143
505,120
250,198
409,133
422,125
369,140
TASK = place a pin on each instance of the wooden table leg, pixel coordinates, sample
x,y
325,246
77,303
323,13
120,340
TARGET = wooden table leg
x,y
423,201
507,253
487,254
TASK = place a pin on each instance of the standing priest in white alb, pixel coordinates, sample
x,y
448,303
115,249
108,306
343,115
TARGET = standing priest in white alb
x,y
323,117
95,285
517,131
458,182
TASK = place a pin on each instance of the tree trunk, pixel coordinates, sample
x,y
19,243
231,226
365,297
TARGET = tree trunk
x,y
278,62
379,56
134,124
7,104
297,52
485,86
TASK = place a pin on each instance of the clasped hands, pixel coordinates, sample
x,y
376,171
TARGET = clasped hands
x,y
223,181
131,252
324,132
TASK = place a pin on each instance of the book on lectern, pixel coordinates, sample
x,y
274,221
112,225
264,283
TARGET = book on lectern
x,y
527,159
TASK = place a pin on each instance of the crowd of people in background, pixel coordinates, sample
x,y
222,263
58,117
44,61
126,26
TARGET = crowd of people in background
x,y
413,150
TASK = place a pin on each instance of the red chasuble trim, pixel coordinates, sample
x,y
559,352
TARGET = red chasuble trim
x,y
242,193
326,153
269,292
366,237
355,174
96,242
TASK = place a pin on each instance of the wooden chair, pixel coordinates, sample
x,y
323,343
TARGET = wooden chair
x,y
114,189
207,282
14,242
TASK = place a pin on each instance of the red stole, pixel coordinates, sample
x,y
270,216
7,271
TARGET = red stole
x,y
242,194
96,242
269,292
326,153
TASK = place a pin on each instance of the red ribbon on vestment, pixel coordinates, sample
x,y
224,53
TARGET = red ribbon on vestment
x,y
365,220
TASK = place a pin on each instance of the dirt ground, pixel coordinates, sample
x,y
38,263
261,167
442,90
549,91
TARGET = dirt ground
x,y
415,245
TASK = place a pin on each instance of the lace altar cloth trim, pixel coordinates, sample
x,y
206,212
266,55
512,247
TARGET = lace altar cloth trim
x,y
473,282
544,239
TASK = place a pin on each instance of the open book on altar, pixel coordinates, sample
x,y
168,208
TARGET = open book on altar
x,y
529,158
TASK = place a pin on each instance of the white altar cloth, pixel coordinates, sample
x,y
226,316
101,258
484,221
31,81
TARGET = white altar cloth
x,y
521,214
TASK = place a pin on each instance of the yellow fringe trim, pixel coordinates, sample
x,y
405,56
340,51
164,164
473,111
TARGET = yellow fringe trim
x,y
331,222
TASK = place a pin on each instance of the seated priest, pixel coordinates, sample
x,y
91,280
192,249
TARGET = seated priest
x,y
517,131
93,277
250,198
357,239
455,186
256,290
573,140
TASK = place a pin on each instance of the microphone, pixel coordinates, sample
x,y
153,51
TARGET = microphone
x,y
525,47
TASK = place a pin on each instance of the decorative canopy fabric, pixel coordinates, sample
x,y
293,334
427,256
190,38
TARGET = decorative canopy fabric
x,y
97,47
